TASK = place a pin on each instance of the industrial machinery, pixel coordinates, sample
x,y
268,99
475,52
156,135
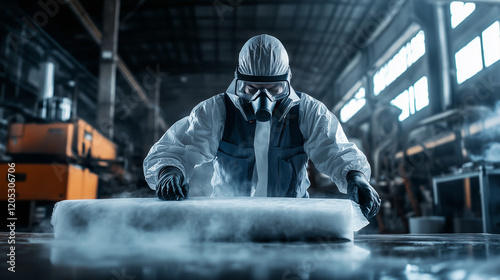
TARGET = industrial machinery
x,y
56,157
470,200
71,140
453,173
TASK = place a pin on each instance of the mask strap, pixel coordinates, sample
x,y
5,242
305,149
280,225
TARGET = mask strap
x,y
247,110
240,76
281,108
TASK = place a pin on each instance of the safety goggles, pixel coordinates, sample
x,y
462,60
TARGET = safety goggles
x,y
251,90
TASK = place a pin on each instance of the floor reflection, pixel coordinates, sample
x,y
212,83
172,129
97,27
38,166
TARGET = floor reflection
x,y
466,256
213,260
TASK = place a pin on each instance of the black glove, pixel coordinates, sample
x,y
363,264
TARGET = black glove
x,y
360,191
170,185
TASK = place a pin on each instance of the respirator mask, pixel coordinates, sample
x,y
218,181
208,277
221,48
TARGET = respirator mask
x,y
260,95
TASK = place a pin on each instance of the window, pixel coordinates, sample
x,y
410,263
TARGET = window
x,y
421,94
460,11
402,102
353,106
491,44
399,63
413,99
468,60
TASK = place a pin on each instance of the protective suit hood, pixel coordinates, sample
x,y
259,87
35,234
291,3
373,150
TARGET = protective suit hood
x,y
263,55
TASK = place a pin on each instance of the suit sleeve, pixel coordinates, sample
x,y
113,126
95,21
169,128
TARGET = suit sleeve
x,y
189,142
326,143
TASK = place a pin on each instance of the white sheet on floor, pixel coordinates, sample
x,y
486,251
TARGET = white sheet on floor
x,y
206,219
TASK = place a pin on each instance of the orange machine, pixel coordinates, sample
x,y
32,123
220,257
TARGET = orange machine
x,y
59,139
51,182
52,161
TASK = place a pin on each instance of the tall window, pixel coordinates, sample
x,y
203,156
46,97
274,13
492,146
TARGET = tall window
x,y
491,44
460,11
399,63
353,106
413,99
468,60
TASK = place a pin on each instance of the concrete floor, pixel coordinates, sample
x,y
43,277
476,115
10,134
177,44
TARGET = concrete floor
x,y
449,256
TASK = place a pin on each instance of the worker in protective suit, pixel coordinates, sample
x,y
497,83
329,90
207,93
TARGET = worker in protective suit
x,y
260,134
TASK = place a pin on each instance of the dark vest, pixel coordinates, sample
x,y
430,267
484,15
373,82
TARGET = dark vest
x,y
235,161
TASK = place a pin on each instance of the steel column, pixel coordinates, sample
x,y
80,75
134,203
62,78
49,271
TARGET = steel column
x,y
107,68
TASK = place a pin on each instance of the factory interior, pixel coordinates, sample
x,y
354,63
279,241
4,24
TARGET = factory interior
x,y
88,87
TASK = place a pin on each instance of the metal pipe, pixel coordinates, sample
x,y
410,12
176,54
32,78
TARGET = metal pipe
x,y
377,155
380,116
47,88
443,57
74,103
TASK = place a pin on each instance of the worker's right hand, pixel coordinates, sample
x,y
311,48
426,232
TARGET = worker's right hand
x,y
170,185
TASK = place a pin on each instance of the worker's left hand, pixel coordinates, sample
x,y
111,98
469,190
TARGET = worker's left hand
x,y
362,193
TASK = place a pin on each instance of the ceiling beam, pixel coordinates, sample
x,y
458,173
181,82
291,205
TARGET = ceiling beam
x,y
209,3
243,34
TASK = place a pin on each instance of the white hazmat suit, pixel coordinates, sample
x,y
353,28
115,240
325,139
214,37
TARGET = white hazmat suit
x,y
195,139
